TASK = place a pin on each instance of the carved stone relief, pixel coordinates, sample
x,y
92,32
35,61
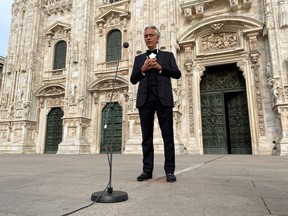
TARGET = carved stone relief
x,y
72,126
190,96
241,64
218,41
268,15
57,6
283,13
137,125
4,130
53,91
255,69
55,101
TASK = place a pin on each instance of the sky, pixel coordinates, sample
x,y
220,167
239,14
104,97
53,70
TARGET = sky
x,y
5,20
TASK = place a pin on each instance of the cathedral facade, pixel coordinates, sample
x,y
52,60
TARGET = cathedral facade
x,y
66,90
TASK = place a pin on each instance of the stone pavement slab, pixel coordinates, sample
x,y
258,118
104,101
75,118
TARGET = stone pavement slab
x,y
58,185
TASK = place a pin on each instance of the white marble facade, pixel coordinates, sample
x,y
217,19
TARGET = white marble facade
x,y
200,33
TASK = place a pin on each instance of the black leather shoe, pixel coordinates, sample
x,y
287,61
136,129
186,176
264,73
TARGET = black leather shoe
x,y
144,176
170,177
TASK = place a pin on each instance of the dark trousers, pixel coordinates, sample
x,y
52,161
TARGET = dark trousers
x,y
165,118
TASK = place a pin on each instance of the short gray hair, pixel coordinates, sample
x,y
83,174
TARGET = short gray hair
x,y
153,27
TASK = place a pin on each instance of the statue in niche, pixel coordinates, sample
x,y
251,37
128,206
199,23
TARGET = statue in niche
x,y
80,105
75,52
41,102
5,97
177,96
19,97
126,95
26,107
268,69
73,87
275,88
84,52
12,110
95,96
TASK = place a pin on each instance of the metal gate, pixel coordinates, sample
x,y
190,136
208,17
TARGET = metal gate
x,y
225,122
112,135
54,130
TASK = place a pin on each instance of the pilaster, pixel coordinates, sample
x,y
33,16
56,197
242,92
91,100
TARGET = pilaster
x,y
282,144
74,136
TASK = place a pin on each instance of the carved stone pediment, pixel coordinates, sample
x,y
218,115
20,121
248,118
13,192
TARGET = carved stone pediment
x,y
59,29
51,90
112,17
106,84
221,34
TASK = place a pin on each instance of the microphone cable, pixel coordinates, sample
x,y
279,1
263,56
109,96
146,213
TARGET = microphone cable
x,y
84,207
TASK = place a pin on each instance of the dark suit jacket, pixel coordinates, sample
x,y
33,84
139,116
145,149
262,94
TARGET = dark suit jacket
x,y
164,87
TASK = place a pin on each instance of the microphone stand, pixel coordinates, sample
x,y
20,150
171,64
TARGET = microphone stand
x,y
110,196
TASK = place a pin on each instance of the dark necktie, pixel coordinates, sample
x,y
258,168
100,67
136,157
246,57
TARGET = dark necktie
x,y
149,52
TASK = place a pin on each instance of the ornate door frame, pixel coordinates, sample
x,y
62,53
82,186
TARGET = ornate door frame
x,y
48,97
223,40
101,93
224,111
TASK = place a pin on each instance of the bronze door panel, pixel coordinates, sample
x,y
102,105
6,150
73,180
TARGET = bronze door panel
x,y
224,109
238,123
54,130
113,133
213,124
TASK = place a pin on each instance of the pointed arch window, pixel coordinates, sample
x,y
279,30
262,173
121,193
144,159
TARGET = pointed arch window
x,y
113,51
60,55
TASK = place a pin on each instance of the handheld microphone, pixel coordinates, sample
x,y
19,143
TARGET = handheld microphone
x,y
125,44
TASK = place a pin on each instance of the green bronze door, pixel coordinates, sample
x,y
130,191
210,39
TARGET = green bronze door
x,y
225,121
213,124
112,135
54,130
237,123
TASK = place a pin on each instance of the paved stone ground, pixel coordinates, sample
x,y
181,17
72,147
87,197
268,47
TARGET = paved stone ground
x,y
229,185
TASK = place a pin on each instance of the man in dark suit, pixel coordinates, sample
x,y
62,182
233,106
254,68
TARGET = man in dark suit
x,y
154,70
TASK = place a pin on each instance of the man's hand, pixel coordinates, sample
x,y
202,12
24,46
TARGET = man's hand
x,y
150,64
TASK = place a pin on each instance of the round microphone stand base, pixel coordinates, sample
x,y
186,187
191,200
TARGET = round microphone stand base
x,y
115,196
